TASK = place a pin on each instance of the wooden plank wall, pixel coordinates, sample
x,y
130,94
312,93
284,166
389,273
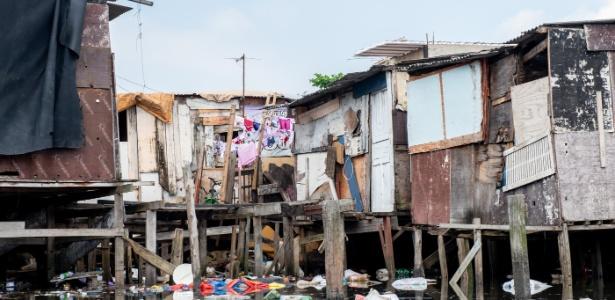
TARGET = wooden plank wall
x,y
530,108
541,199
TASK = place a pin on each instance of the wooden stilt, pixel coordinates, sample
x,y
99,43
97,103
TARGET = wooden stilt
x,y
247,242
565,261
289,235
51,254
462,252
478,264
335,249
150,244
118,222
598,274
203,246
227,178
493,266
241,236
297,254
517,215
464,264
233,251
443,267
129,264
193,228
92,254
389,254
418,253
177,248
258,251
106,260
276,245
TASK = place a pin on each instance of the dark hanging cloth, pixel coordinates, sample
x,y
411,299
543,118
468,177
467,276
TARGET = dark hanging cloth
x,y
39,48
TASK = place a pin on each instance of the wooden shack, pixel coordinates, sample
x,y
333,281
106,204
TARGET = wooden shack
x,y
163,132
535,120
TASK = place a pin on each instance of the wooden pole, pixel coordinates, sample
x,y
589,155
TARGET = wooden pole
x,y
203,246
276,246
565,261
129,264
233,255
598,274
443,267
389,254
106,260
517,214
287,227
200,154
478,264
193,227
177,248
226,180
335,249
150,244
418,253
247,242
51,254
241,236
118,222
92,254
462,252
258,251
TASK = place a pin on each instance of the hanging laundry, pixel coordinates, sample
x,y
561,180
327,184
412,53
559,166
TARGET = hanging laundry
x,y
246,154
284,123
257,125
248,124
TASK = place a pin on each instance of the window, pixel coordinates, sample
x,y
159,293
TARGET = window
x,y
445,109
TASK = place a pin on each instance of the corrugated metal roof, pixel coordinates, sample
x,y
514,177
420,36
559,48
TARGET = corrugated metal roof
x,y
536,30
402,47
346,82
442,61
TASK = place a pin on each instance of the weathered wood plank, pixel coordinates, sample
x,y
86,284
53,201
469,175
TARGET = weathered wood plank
x,y
335,249
217,120
228,175
192,228
319,111
150,245
150,257
517,214
563,245
177,248
530,109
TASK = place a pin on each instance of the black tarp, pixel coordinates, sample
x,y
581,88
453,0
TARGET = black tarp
x,y
39,48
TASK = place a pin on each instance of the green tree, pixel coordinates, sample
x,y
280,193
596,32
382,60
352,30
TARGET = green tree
x,y
323,81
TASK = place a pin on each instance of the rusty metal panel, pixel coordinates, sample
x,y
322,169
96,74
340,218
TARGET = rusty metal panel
x,y
400,131
463,183
431,187
96,26
94,68
600,37
93,162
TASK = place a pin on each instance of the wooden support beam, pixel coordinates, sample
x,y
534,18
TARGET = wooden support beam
x,y
62,232
463,265
563,245
203,233
601,131
418,253
542,46
177,248
228,179
150,257
51,254
92,253
335,249
244,263
211,231
478,264
597,272
193,228
258,251
233,251
443,267
517,215
150,244
389,254
289,235
106,260
241,244
276,246
462,252
200,154
129,264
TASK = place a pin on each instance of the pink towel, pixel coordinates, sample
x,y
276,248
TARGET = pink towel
x,y
284,123
246,154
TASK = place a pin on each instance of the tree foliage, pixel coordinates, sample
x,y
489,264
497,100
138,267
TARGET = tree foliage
x,y
323,81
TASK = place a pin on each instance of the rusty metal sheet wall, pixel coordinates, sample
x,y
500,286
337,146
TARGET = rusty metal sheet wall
x,y
463,183
600,37
96,160
431,187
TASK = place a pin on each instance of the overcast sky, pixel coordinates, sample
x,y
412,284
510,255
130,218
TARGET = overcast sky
x,y
186,43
